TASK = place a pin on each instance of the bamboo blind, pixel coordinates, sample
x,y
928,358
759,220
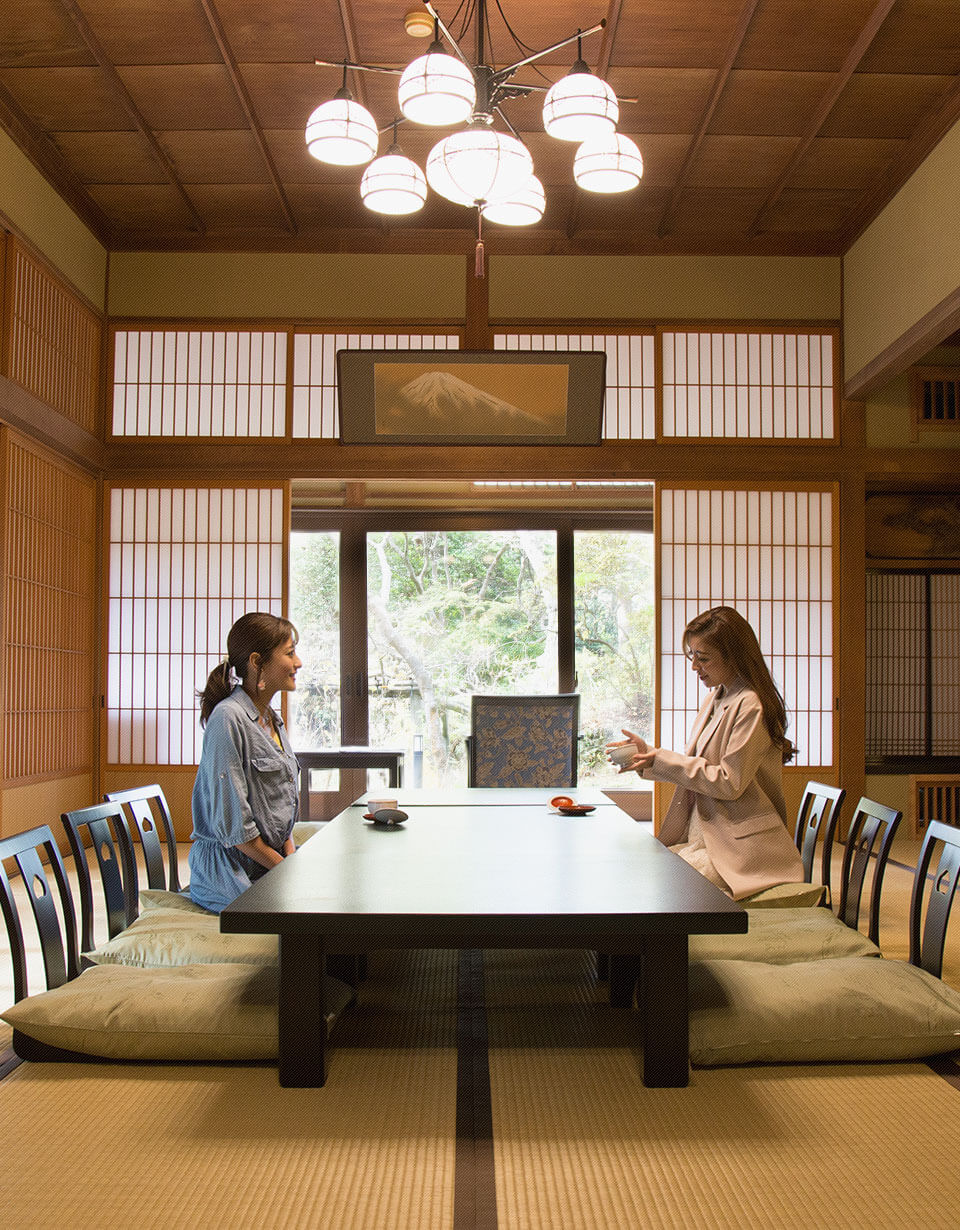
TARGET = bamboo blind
x,y
770,555
629,410
52,341
316,414
184,564
48,614
748,385
199,383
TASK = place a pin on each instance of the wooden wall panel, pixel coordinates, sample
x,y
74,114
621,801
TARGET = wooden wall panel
x,y
49,590
51,340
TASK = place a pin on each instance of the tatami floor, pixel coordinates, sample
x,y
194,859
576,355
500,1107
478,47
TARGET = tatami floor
x,y
547,1125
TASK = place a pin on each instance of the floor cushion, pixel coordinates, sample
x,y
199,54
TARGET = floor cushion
x,y
781,937
845,1008
192,1012
165,937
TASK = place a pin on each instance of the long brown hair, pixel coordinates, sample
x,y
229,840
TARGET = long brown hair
x,y
256,632
726,631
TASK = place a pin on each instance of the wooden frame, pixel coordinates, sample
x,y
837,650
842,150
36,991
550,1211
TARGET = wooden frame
x,y
470,397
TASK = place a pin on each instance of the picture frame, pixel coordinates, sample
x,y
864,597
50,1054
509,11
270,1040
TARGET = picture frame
x,y
471,397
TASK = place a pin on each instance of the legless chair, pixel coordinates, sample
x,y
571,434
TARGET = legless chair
x,y
818,815
148,815
523,740
870,835
927,937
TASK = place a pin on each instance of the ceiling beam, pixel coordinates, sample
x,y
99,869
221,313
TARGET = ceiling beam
x,y
837,86
240,89
72,10
719,85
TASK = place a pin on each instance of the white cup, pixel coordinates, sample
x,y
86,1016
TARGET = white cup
x,y
621,756
375,805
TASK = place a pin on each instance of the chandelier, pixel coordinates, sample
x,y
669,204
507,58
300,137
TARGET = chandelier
x,y
476,166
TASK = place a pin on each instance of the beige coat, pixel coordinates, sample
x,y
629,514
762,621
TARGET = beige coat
x,y
731,775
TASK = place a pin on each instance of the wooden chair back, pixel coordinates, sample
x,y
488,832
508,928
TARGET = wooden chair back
x,y
817,816
870,836
523,740
101,829
148,816
34,858
938,887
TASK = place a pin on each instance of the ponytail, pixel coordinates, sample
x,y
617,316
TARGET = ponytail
x,y
256,632
219,686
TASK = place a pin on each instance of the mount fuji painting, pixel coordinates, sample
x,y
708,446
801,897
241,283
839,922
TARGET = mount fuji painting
x,y
471,399
464,397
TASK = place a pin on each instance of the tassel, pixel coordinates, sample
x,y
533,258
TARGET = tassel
x,y
478,261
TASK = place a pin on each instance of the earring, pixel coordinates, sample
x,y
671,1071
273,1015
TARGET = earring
x,y
260,685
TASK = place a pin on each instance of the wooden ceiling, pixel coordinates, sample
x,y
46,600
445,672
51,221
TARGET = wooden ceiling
x,y
765,125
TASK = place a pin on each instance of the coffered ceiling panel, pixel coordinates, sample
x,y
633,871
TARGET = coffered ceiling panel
x,y
764,125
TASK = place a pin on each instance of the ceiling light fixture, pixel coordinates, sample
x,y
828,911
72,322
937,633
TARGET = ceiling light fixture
x,y
489,171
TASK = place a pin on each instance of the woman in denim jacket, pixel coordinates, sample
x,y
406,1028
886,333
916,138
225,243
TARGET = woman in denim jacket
x,y
245,797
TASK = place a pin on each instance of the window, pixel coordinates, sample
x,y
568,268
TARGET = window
x,y
453,607
913,669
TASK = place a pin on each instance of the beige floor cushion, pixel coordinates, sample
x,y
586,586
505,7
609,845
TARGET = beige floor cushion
x,y
785,896
845,1008
781,937
193,1012
168,937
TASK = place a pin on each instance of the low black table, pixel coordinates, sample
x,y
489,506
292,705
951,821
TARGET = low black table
x,y
500,876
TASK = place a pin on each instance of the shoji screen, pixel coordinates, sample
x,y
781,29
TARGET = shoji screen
x,y
316,414
199,382
49,550
770,555
749,385
629,411
184,563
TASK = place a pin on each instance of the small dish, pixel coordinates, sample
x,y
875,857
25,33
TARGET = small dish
x,y
386,817
577,809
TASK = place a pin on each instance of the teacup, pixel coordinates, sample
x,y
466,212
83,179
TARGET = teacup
x,y
621,756
375,805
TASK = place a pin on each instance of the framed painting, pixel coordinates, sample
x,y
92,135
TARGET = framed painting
x,y
470,397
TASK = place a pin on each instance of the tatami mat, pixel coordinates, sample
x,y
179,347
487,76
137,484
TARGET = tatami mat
x,y
579,1141
143,1147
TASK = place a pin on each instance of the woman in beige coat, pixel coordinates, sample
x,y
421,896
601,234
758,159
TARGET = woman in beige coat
x,y
727,817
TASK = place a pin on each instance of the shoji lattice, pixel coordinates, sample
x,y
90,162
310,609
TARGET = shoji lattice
x,y
945,663
199,383
913,664
184,563
770,555
48,614
52,340
748,385
629,411
896,658
316,414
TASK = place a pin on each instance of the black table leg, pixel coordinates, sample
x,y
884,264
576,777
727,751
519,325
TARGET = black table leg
x,y
302,1013
664,1010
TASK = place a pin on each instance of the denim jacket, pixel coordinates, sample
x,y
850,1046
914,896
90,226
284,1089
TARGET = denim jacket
x,y
246,786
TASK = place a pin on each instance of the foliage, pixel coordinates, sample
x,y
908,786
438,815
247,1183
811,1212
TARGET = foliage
x,y
455,612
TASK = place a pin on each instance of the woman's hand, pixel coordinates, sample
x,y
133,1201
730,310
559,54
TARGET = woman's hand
x,y
632,753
